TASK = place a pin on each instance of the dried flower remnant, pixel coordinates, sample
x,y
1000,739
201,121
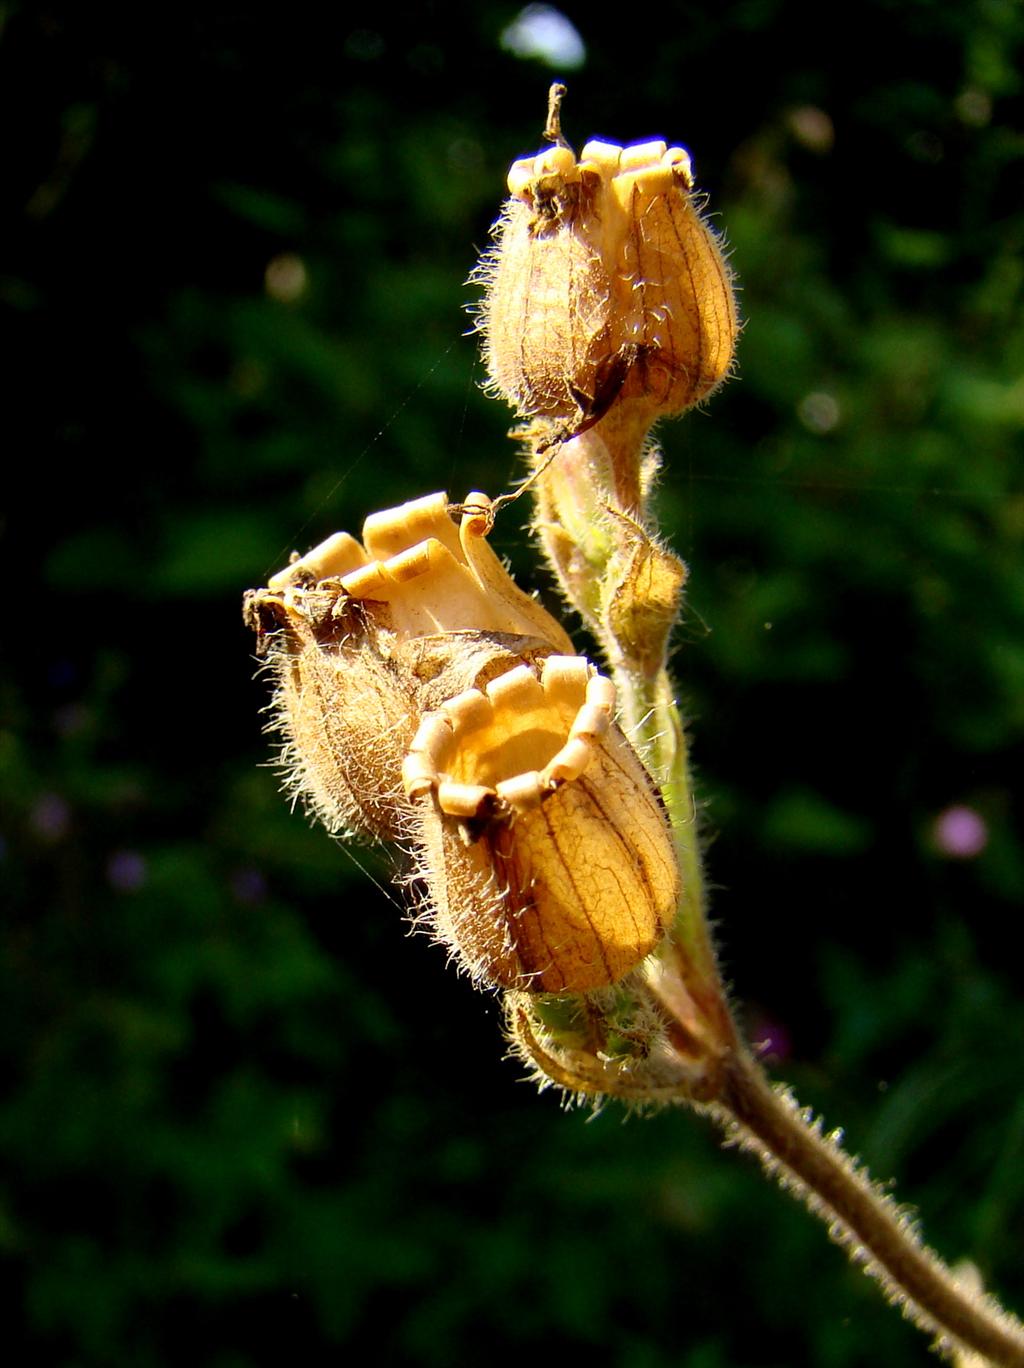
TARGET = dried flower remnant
x,y
604,285
424,698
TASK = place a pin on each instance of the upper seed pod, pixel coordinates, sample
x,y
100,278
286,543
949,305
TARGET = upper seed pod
x,y
604,285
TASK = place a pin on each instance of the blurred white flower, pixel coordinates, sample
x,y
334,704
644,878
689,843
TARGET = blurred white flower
x,y
543,32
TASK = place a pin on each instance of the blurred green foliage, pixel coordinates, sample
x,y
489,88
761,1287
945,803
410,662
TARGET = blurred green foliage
x,y
245,1120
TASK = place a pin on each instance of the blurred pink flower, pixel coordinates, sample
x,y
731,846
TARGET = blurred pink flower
x,y
960,833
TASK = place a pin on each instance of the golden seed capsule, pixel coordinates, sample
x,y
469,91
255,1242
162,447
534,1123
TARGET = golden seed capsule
x,y
605,285
424,698
563,877
350,633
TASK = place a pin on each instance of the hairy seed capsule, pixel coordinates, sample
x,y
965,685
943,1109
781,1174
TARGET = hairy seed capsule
x,y
605,285
545,848
360,637
344,711
424,698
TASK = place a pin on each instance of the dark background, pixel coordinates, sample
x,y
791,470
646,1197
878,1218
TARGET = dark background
x,y
244,1118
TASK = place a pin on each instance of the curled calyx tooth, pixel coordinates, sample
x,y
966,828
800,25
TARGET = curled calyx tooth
x,y
605,285
544,847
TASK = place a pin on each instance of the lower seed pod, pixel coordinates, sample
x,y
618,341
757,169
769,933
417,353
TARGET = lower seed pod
x,y
545,849
425,699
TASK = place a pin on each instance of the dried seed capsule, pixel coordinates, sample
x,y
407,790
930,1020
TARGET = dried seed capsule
x,y
351,634
423,697
605,286
343,709
543,844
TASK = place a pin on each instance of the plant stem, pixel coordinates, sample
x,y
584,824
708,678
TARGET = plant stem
x,y
588,551
860,1216
659,735
870,1226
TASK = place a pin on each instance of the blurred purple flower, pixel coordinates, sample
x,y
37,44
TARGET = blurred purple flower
x,y
126,871
960,833
771,1039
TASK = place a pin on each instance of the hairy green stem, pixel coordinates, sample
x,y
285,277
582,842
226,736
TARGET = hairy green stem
x,y
860,1217
659,735
595,538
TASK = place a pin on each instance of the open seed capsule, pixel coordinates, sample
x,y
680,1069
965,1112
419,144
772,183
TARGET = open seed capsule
x,y
360,637
544,846
424,698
